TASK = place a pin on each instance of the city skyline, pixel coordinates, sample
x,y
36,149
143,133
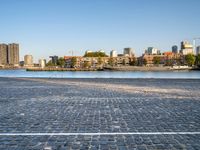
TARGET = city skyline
x,y
45,28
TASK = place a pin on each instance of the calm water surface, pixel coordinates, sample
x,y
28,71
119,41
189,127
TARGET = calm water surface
x,y
101,74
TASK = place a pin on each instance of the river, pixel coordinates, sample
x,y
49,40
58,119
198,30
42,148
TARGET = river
x,y
101,74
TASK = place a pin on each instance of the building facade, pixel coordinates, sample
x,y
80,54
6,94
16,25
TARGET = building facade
x,y
128,52
186,48
3,54
113,53
9,54
198,50
13,54
28,61
54,59
175,49
42,63
152,51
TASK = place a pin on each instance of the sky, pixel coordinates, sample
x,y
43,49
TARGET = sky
x,y
58,27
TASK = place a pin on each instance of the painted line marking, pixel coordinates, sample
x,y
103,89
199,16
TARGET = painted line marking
x,y
93,134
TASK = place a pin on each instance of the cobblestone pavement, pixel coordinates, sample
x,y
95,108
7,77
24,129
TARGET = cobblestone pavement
x,y
99,106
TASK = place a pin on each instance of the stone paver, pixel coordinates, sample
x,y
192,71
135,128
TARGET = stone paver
x,y
99,106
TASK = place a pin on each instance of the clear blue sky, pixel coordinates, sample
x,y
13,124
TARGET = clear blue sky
x,y
55,27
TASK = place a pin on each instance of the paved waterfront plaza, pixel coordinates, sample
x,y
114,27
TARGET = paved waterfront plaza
x,y
99,114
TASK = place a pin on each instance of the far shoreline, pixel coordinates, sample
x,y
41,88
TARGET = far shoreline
x,y
124,68
111,69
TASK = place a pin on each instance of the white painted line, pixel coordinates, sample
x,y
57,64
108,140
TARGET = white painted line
x,y
92,134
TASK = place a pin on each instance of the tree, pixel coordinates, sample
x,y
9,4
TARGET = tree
x,y
111,61
61,62
95,54
144,61
190,59
124,62
133,61
168,62
100,61
50,64
198,59
156,60
86,64
73,62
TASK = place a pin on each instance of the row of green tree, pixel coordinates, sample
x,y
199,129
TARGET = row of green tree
x,y
60,62
189,60
95,54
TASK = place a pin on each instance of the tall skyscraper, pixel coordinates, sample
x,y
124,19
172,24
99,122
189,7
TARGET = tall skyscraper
x,y
128,52
13,54
54,59
28,60
3,54
175,49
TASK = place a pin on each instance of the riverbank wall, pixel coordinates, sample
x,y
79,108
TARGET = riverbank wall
x,y
63,69
143,68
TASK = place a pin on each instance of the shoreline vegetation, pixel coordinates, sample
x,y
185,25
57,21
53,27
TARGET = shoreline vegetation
x,y
124,68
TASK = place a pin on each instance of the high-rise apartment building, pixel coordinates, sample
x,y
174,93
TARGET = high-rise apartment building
x,y
152,51
128,52
198,50
13,54
54,59
28,60
186,48
113,53
175,49
42,63
3,54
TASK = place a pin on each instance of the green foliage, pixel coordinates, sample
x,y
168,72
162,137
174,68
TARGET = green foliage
x,y
144,61
50,64
95,54
86,64
133,61
111,61
100,61
73,62
156,60
61,62
190,59
198,59
168,62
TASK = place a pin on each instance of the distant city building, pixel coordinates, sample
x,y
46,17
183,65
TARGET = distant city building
x,y
101,51
120,55
13,54
198,50
113,53
152,51
28,61
186,45
42,63
186,48
175,49
9,54
21,63
88,51
3,54
128,52
54,59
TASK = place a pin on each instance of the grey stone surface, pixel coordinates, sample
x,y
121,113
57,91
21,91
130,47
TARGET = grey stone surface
x,y
99,106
